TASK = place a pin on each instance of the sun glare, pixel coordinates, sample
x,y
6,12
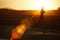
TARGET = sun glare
x,y
46,4
34,5
30,4
37,5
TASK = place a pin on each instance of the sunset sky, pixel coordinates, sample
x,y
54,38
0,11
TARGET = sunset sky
x,y
30,4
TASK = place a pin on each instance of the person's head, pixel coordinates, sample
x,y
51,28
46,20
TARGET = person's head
x,y
42,8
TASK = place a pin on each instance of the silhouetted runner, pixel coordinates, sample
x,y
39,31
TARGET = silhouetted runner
x,y
41,19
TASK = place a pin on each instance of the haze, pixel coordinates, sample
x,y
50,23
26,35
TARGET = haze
x,y
30,4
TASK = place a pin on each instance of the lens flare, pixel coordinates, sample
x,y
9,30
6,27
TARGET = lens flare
x,y
20,29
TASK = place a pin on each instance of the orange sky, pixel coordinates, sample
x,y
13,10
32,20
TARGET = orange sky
x,y
30,4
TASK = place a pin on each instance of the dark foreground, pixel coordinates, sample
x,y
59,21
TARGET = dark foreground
x,y
50,30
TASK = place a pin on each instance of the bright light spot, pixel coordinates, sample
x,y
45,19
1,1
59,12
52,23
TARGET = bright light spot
x,y
47,5
21,29
14,35
18,31
37,4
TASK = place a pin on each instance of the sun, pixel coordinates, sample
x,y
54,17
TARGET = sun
x,y
45,3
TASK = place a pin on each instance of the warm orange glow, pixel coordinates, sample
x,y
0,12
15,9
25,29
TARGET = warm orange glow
x,y
18,31
30,4
36,13
21,29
